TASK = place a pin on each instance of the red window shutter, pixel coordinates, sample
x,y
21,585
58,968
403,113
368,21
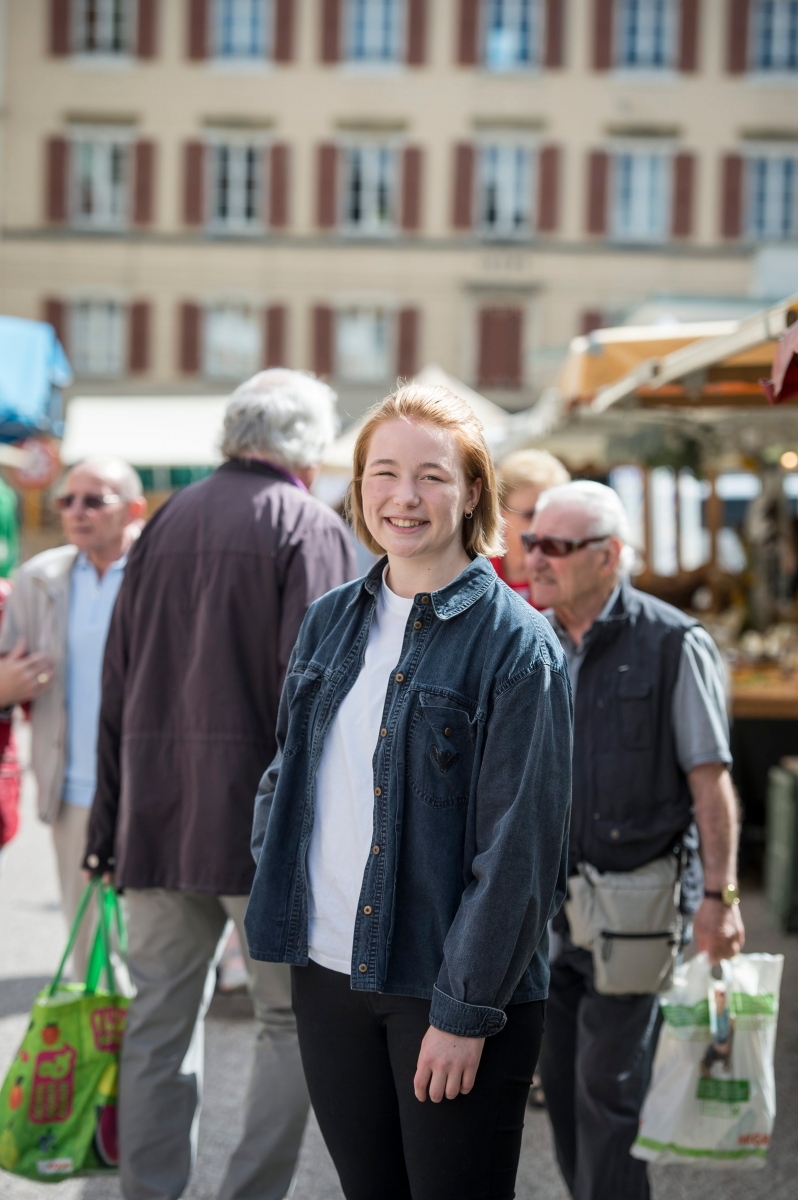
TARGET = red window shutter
x,y
190,335
688,35
598,172
274,337
331,31
412,161
683,180
278,186
416,32
731,223
737,45
193,189
197,29
55,314
323,355
139,345
468,33
590,319
463,208
407,343
555,20
60,23
327,198
283,31
602,34
500,347
57,172
148,17
548,188
143,182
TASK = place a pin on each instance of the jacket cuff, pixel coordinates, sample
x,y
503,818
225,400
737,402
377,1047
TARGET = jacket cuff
x,y
464,1020
99,863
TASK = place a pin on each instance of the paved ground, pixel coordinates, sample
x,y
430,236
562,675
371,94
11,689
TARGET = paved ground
x,y
31,937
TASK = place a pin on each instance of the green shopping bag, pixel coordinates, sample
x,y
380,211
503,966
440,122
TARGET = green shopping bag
x,y
58,1102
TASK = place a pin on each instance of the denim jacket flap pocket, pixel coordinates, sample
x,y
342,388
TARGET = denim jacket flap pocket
x,y
441,754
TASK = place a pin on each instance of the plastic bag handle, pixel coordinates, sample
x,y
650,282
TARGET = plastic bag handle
x,y
73,933
100,959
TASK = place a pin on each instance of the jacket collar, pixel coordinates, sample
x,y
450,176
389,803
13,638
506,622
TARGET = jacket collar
x,y
259,466
53,568
469,586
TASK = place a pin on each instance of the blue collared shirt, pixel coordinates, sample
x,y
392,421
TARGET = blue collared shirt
x,y
91,602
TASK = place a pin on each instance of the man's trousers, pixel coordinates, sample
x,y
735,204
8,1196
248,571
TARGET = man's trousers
x,y
595,1064
174,940
69,841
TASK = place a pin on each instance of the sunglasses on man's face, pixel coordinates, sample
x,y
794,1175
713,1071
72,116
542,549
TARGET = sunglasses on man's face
x,y
91,501
554,547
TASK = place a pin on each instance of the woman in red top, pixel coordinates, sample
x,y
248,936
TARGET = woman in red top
x,y
522,476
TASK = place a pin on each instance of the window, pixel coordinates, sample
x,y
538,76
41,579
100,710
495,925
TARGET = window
x,y
513,34
100,167
374,31
363,345
646,34
773,195
505,190
242,28
233,341
236,186
103,27
97,337
369,189
775,35
640,195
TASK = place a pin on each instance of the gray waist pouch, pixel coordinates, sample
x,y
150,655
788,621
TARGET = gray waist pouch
x,y
631,923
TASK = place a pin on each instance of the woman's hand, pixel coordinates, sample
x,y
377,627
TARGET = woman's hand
x,y
447,1065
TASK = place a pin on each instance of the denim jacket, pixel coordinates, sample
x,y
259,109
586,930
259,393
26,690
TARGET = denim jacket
x,y
472,791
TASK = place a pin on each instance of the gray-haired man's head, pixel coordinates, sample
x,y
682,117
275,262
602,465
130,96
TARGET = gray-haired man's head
x,y
287,417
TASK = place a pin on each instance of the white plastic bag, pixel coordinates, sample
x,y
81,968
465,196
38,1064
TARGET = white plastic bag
x,y
710,1110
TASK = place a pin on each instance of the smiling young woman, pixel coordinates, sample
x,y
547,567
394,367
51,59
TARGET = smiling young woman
x,y
410,833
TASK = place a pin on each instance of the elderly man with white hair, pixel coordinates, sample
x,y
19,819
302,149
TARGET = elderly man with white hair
x,y
214,595
652,802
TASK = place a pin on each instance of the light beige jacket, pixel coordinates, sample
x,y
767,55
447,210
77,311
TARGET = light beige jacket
x,y
38,611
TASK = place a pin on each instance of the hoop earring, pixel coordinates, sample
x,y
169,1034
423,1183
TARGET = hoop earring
x,y
468,516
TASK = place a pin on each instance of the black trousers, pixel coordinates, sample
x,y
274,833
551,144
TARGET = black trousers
x,y
360,1051
595,1064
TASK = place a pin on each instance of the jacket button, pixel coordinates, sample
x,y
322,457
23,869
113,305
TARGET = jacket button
x,y
399,677
596,816
363,968
418,625
383,733
367,910
447,732
375,849
600,703
425,599
615,834
378,791
92,862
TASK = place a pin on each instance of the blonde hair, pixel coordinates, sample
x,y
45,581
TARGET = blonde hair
x,y
434,405
529,468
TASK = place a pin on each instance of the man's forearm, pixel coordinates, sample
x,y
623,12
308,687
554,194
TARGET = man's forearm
x,y
717,817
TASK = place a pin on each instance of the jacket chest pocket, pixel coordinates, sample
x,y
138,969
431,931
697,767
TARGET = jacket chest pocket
x,y
636,708
441,754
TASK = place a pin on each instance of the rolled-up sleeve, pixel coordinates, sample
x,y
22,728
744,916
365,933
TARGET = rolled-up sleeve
x,y
519,869
699,717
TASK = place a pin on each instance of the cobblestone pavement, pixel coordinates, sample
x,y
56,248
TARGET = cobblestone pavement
x,y
32,935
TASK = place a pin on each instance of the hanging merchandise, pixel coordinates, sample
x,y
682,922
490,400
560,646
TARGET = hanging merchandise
x,y
712,1099
58,1102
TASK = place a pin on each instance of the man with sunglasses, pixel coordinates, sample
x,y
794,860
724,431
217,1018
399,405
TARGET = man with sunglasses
x,y
52,642
650,782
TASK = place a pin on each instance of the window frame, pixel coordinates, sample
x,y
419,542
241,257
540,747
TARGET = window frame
x,y
77,40
499,142
262,57
121,311
239,142
672,32
774,152
755,66
653,148
387,314
365,229
121,137
537,38
255,311
398,60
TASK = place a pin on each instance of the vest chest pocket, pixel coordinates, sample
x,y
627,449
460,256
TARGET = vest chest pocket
x,y
636,705
441,754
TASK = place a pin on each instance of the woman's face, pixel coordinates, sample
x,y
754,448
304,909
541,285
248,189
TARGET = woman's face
x,y
414,490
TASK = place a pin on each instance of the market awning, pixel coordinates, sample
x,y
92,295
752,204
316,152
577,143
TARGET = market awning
x,y
147,431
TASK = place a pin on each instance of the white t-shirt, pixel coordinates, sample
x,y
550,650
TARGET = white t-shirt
x,y
344,820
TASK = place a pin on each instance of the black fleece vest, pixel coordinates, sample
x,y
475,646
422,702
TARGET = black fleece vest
x,y
631,801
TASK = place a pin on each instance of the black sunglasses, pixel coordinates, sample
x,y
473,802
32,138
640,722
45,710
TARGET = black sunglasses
x,y
554,547
92,500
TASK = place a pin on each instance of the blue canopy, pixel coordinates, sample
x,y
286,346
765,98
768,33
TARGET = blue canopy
x,y
33,366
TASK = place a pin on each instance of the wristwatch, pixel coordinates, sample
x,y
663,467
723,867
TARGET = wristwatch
x,y
729,895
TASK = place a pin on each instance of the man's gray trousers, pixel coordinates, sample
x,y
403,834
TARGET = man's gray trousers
x,y
174,940
595,1065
